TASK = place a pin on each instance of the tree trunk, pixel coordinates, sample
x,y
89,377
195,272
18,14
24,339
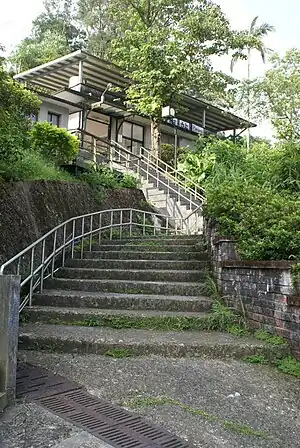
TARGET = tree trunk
x,y
155,138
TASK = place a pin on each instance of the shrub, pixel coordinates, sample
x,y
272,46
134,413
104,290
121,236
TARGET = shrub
x,y
129,181
168,153
16,106
265,224
212,156
101,177
32,166
55,144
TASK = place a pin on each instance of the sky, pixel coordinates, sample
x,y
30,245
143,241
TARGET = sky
x,y
17,15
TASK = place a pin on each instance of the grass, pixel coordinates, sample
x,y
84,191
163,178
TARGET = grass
x,y
242,429
288,365
33,167
268,338
119,352
255,359
226,321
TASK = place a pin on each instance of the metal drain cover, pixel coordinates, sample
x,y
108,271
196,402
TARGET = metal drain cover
x,y
116,426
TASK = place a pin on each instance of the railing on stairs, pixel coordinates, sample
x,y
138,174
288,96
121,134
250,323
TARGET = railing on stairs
x,y
154,168
45,256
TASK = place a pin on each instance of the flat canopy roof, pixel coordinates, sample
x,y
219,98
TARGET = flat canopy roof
x,y
55,75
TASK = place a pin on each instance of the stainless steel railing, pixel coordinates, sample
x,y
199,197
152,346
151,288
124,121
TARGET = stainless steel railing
x,y
44,257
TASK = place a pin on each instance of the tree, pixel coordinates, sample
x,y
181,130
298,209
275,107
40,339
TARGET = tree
x,y
280,93
256,36
32,52
54,33
17,105
99,28
165,48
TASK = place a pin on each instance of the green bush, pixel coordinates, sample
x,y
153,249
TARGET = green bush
x,y
32,166
104,177
213,157
168,153
265,224
55,144
129,181
16,106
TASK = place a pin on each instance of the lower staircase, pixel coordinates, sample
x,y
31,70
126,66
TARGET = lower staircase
x,y
131,297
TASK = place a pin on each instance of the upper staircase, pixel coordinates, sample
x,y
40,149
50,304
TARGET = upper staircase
x,y
166,188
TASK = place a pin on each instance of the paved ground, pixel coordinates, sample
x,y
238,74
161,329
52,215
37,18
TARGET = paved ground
x,y
211,403
27,425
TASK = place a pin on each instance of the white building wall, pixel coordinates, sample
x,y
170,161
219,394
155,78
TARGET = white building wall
x,y
49,107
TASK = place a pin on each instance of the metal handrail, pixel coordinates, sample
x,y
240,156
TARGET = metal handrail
x,y
175,174
156,163
45,256
157,179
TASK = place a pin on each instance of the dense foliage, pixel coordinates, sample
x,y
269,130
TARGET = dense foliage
x,y
251,196
55,144
16,106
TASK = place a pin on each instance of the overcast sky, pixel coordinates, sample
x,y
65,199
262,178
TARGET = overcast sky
x,y
17,15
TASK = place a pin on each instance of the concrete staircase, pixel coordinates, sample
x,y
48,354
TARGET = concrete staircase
x,y
136,297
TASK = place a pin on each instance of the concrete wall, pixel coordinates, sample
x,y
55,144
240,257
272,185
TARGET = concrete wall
x,y
9,326
49,107
264,289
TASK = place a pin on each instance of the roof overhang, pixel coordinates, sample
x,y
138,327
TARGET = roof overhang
x,y
97,73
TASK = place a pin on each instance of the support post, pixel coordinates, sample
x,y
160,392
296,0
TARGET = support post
x,y
9,329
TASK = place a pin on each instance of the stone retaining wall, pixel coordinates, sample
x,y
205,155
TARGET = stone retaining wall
x,y
263,289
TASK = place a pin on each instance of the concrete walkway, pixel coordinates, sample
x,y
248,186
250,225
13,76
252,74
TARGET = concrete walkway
x,y
211,403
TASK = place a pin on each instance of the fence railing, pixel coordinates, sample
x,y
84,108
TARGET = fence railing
x,y
73,237
155,167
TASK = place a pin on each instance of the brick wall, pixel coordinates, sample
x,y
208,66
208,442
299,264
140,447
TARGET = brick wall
x,y
264,289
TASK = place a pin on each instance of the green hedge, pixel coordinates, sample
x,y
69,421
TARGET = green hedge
x,y
55,144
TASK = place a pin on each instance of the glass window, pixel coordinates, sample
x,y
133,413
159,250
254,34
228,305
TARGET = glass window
x,y
132,136
137,132
54,119
127,129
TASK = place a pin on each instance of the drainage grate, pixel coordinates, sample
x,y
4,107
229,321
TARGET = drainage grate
x,y
33,381
116,426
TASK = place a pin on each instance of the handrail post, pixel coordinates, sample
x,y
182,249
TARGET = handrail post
x,y
53,253
73,238
31,275
111,224
43,266
91,233
64,245
130,223
82,237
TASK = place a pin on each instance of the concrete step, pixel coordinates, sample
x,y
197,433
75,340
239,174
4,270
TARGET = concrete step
x,y
145,275
154,246
144,255
76,339
3,401
103,300
93,317
137,264
165,240
127,286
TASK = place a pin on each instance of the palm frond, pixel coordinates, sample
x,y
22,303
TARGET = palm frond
x,y
253,23
263,30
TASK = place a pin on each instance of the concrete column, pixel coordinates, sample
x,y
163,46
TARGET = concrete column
x,y
9,329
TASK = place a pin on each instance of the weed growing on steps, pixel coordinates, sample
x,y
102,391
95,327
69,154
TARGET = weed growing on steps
x,y
245,430
119,352
218,319
269,338
288,365
222,317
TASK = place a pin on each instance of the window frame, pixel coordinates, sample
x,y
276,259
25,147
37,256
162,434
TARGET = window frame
x,y
55,114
